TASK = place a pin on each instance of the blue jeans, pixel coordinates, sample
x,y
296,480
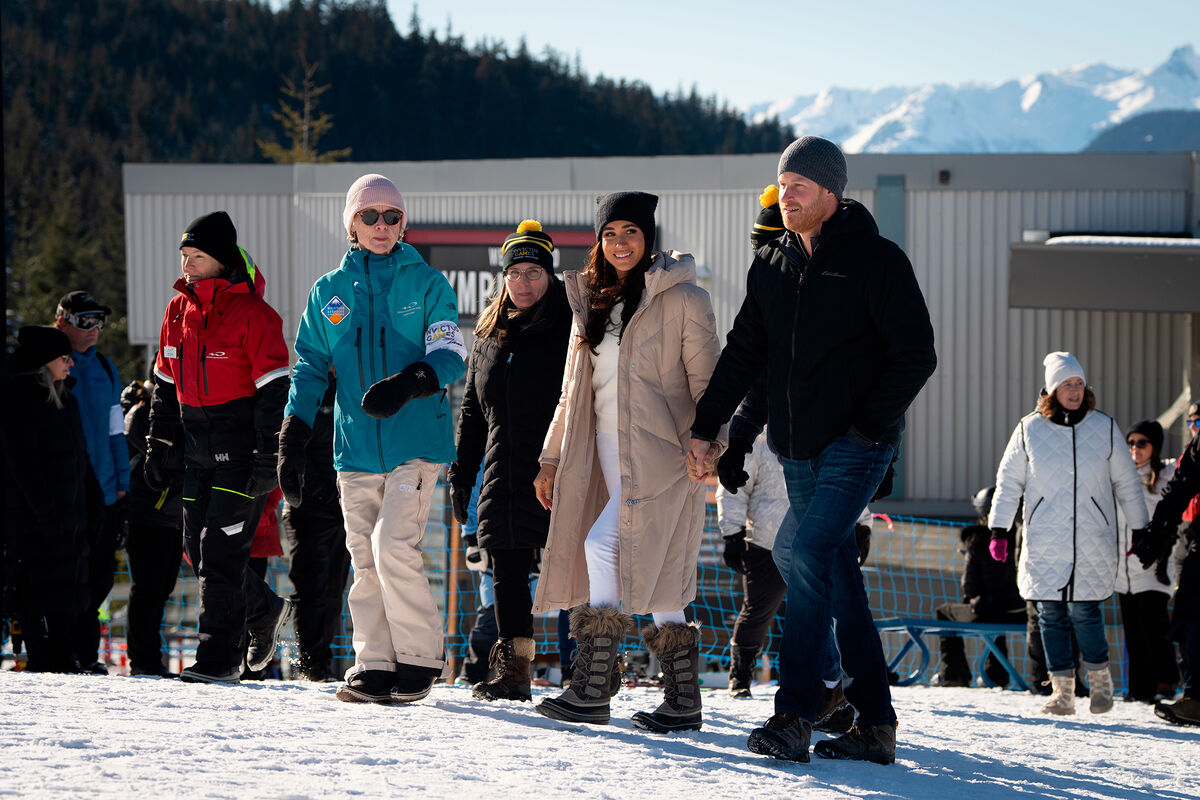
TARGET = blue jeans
x,y
1056,618
827,494
781,554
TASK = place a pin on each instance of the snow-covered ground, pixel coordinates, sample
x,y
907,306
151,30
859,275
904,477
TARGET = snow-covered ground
x,y
79,736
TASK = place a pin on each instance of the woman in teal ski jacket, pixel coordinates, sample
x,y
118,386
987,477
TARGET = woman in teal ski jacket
x,y
387,323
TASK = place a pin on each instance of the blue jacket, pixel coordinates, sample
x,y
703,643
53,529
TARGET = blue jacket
x,y
370,318
98,391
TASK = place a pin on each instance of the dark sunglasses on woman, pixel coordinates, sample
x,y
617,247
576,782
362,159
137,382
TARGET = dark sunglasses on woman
x,y
390,217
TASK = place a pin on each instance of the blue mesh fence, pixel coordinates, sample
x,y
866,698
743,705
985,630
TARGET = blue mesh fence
x,y
914,566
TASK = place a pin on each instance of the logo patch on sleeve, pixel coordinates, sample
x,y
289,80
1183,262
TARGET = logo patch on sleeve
x,y
335,310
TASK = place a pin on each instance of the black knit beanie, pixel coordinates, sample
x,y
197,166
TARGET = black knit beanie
x,y
817,159
637,207
769,224
214,234
1151,430
529,245
38,345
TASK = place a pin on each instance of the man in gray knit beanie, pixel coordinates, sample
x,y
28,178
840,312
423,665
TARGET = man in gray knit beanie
x,y
817,159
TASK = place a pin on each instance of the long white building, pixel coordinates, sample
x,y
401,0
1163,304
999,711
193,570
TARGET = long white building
x,y
964,220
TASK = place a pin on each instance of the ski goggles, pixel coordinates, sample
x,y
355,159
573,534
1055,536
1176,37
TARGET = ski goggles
x,y
86,322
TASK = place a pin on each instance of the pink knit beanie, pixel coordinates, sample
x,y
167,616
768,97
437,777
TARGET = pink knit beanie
x,y
372,190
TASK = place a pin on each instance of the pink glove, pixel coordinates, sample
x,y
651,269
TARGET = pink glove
x,y
999,549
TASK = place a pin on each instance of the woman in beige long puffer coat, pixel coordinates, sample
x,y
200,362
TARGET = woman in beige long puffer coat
x,y
626,520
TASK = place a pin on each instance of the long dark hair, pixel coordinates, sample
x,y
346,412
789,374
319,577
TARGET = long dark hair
x,y
605,288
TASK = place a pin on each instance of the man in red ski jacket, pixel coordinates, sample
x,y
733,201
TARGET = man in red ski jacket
x,y
222,366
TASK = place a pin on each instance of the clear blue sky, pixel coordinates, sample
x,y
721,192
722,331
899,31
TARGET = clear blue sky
x,y
747,52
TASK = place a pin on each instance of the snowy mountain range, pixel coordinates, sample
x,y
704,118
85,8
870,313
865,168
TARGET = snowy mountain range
x,y
1060,111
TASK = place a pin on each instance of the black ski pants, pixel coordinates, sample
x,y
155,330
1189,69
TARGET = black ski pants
x,y
320,565
514,605
763,589
154,553
1147,640
102,567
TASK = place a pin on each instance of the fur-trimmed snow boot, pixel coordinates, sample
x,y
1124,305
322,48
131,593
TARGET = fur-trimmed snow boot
x,y
598,632
741,670
1101,684
678,649
511,659
1062,698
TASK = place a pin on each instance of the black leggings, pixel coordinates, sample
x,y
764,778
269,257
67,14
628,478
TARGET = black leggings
x,y
762,591
514,606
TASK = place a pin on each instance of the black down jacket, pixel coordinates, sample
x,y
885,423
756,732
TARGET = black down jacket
x,y
512,391
49,489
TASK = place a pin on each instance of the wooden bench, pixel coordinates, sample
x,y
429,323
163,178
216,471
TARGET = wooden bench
x,y
915,629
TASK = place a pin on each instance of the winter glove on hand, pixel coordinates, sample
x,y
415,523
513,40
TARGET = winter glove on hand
x,y
998,546
121,509
1160,569
477,557
735,551
389,395
731,466
460,500
294,436
887,484
264,477
155,468
862,538
1148,544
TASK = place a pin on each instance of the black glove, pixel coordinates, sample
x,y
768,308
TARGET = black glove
x,y
731,466
460,500
1148,544
1160,569
121,509
477,558
263,479
886,485
862,538
155,468
294,436
735,551
389,395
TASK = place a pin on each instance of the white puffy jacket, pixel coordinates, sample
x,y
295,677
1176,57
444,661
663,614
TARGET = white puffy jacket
x,y
1072,478
1132,577
761,505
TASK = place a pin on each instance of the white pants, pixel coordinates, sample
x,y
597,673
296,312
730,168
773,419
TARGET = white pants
x,y
602,545
395,617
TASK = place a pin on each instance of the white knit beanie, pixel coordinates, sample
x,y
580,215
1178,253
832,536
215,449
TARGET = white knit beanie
x,y
372,190
1061,365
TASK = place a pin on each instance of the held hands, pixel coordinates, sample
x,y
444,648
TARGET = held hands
x,y
998,546
700,460
543,485
731,468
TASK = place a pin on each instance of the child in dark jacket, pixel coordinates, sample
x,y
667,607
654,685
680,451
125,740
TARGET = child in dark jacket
x,y
990,594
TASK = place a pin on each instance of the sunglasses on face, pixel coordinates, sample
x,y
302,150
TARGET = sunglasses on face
x,y
86,322
371,216
1137,444
1194,423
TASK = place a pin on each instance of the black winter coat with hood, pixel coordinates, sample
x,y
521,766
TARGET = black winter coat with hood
x,y
512,391
50,497
844,336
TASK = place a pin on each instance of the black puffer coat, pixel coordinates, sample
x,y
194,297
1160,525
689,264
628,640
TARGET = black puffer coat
x,y
512,391
48,490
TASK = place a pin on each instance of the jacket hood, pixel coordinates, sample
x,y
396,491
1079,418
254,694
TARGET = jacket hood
x,y
667,269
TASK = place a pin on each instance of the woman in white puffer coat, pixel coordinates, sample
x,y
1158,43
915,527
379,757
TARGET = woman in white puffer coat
x,y
1072,466
1152,673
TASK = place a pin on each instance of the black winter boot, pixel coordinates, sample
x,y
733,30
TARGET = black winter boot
x,y
598,631
741,670
678,649
511,659
784,736
875,743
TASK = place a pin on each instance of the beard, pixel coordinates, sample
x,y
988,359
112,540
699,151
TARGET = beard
x,y
805,219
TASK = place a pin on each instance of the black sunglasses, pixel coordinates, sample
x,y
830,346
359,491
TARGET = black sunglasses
x,y
1138,443
371,216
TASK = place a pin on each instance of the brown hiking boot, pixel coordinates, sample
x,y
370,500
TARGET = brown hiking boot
x,y
678,649
511,659
876,743
1184,711
835,714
